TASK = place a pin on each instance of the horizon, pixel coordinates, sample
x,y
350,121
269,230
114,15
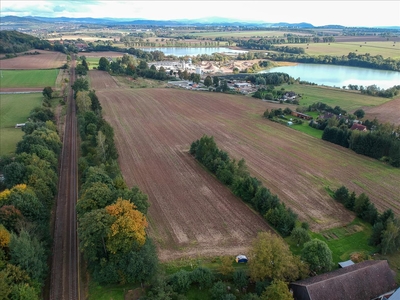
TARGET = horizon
x,y
345,13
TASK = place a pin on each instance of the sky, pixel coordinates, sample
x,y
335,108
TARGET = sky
x,y
318,13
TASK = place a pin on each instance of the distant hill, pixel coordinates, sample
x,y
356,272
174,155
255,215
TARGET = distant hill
x,y
16,42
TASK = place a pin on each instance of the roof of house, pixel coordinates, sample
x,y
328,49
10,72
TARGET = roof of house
x,y
364,280
358,127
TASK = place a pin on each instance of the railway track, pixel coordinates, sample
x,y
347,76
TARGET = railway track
x,y
64,283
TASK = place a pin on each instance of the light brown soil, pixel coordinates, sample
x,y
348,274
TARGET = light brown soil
x,y
388,112
44,60
193,214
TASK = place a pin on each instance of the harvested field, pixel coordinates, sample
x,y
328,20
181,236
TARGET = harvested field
x,y
388,112
103,54
191,213
101,80
44,60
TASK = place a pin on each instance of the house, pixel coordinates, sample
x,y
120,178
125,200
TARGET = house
x,y
301,115
365,280
358,127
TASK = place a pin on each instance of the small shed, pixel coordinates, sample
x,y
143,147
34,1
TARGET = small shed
x,y
241,259
346,263
19,125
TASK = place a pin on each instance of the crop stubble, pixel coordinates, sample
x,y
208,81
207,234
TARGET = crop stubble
x,y
44,60
191,213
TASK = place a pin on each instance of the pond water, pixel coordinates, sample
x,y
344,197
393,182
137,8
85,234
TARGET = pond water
x,y
193,51
339,76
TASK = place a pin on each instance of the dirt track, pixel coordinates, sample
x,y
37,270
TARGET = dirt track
x,y
189,209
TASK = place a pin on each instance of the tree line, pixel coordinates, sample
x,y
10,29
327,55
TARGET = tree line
x,y
111,217
378,143
386,226
352,59
249,189
27,197
16,42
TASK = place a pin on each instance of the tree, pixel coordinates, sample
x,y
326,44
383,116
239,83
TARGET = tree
x,y
341,194
278,290
391,237
215,81
104,64
28,253
240,279
359,113
208,81
226,268
4,237
128,227
48,92
180,281
203,277
300,236
83,101
318,255
270,258
80,84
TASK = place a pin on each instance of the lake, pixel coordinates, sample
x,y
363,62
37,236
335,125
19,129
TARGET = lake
x,y
193,51
339,76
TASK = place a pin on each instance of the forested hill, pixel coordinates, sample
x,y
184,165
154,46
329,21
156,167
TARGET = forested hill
x,y
15,42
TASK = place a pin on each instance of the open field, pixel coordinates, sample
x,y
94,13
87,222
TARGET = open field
x,y
347,100
28,78
44,60
103,54
388,112
155,127
14,109
244,34
384,48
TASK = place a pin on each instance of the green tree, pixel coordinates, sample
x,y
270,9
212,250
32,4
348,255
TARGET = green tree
x,y
318,255
278,290
226,268
215,81
80,84
208,81
28,253
181,281
240,279
83,101
300,236
341,194
48,92
202,276
359,113
104,64
270,258
391,237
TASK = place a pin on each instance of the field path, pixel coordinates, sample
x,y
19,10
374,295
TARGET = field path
x,y
193,213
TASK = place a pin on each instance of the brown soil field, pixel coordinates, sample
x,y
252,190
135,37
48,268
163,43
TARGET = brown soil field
x,y
102,80
191,213
388,112
44,60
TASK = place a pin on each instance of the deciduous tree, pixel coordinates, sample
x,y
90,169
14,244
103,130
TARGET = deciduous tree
x,y
278,290
318,255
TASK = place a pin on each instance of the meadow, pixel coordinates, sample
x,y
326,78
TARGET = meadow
x,y
347,100
15,109
28,78
384,48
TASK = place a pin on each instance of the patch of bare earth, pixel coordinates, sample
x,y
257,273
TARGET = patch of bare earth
x,y
44,60
193,214
388,112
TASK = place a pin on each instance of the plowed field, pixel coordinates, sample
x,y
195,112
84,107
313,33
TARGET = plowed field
x,y
44,60
388,112
191,213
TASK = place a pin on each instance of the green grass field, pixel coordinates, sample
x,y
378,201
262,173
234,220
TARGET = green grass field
x,y
93,62
343,241
14,109
28,78
347,100
386,49
239,34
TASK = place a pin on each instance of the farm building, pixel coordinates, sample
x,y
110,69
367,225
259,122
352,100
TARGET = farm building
x,y
358,127
301,115
19,125
366,280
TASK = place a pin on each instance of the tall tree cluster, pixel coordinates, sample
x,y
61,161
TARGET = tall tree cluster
x,y
26,198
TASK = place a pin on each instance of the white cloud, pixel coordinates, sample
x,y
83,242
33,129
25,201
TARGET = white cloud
x,y
348,13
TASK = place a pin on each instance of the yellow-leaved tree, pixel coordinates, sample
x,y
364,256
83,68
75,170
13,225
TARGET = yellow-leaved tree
x,y
4,237
128,228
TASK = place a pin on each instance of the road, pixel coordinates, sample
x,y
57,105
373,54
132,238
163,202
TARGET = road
x,y
64,282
